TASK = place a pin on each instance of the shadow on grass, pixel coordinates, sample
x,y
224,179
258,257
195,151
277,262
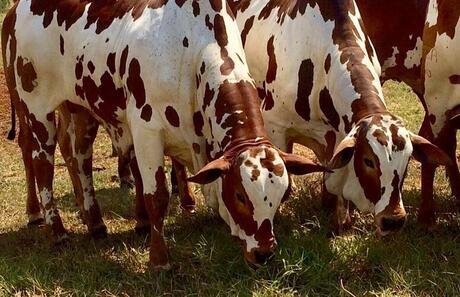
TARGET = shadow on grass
x,y
206,261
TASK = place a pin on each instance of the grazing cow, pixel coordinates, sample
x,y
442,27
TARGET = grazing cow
x,y
163,77
416,45
315,73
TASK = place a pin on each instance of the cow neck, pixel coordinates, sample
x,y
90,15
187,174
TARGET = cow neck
x,y
359,66
236,118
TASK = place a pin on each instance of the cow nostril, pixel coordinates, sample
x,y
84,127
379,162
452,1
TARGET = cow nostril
x,y
392,224
263,257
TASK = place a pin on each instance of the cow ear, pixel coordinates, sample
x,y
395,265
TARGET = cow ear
x,y
300,165
212,171
343,153
426,152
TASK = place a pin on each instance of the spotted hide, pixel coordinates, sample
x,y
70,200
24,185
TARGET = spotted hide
x,y
417,45
165,77
318,79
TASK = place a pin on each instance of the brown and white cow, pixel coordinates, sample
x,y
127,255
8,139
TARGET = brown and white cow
x,y
166,77
417,42
312,63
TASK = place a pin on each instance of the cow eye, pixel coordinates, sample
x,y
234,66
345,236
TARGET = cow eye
x,y
240,198
368,163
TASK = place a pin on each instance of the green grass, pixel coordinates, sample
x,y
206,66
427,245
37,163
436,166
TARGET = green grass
x,y
207,262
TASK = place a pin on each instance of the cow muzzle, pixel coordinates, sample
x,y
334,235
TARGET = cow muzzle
x,y
387,224
260,255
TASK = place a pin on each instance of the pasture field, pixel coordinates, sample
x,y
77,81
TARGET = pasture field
x,y
206,261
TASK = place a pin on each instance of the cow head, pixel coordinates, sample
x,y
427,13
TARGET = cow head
x,y
253,183
370,165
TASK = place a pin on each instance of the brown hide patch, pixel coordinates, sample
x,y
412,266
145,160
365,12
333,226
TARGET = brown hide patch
x,y
268,164
237,202
327,107
394,198
112,98
240,103
272,66
404,22
247,27
102,13
61,44
264,234
220,33
255,173
398,141
381,137
327,63
180,3
135,83
216,5
172,116
146,113
123,59
111,62
202,68
207,21
196,148
26,72
347,124
208,96
198,123
185,42
455,79
369,177
291,8
304,88
91,67
268,102
196,8
331,139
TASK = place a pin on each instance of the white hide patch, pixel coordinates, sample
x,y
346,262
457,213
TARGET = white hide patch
x,y
414,57
391,61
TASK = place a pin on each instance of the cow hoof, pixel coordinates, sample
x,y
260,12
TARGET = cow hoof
x,y
37,222
99,232
159,268
61,239
143,230
127,184
188,209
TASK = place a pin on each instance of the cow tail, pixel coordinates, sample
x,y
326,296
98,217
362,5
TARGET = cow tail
x,y
12,133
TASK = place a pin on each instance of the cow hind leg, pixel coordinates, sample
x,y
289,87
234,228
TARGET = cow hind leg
x,y
33,210
44,144
187,200
155,191
85,131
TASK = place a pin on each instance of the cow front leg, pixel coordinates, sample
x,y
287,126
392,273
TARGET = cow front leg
x,y
142,217
338,208
43,129
155,191
124,172
187,200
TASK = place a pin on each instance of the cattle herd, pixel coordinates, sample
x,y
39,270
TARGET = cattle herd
x,y
225,88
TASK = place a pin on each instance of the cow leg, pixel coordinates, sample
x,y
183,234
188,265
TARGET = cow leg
x,y
156,196
340,219
43,129
124,172
187,201
65,146
142,217
33,204
85,131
